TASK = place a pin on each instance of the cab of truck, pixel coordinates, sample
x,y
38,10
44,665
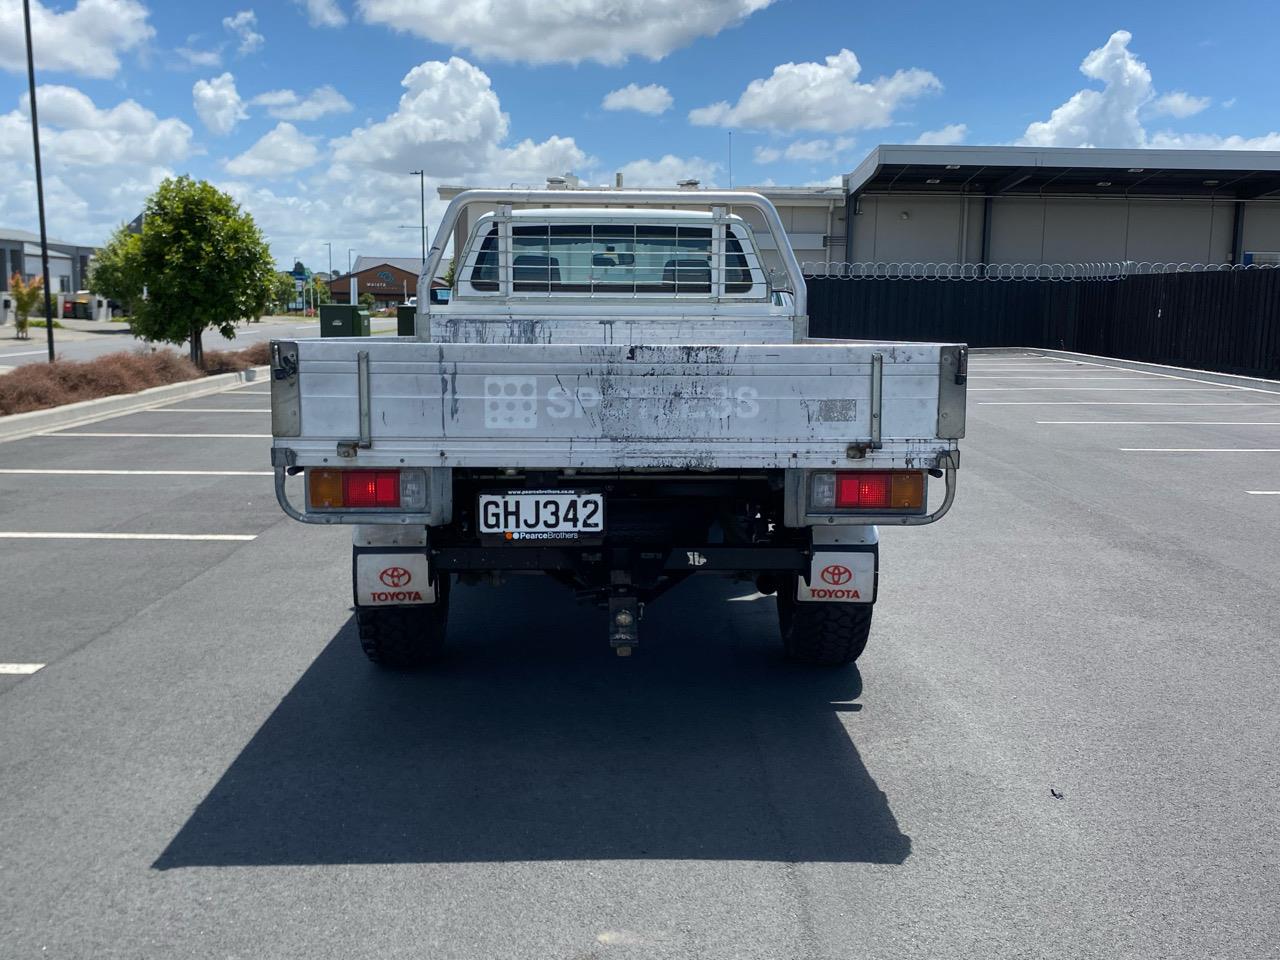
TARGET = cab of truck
x,y
642,266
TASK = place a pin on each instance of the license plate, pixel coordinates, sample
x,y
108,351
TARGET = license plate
x,y
541,515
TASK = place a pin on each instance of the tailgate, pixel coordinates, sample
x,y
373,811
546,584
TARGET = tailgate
x,y
818,403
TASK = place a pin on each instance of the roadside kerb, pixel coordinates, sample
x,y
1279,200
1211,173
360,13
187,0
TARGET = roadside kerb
x,y
19,425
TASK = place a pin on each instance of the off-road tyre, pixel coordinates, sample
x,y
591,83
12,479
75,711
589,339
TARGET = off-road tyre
x,y
822,634
405,638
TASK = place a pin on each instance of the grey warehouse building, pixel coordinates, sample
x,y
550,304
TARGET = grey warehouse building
x,y
1031,205
68,262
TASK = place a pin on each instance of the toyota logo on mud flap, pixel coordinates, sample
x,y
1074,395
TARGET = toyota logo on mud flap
x,y
836,574
399,576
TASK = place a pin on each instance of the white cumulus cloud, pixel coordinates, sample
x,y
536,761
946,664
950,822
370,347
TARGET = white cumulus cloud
x,y
100,163
1112,116
244,24
949,135
279,153
323,13
1179,104
669,170
547,31
87,39
287,105
447,121
1100,118
218,103
811,151
652,99
819,96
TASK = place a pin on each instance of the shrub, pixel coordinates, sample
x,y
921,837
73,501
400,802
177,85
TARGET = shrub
x,y
38,386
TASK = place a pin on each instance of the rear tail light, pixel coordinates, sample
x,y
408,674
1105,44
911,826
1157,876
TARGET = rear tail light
x,y
869,490
366,489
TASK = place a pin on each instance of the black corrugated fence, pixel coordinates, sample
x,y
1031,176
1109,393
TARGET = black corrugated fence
x,y
1227,321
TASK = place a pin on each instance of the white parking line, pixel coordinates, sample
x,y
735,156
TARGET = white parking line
x,y
168,436
137,473
1200,449
24,353
1111,389
20,669
1263,493
209,410
1161,423
1174,376
40,535
1123,403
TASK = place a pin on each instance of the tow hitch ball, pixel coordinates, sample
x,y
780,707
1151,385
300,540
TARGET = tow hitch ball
x,y
624,623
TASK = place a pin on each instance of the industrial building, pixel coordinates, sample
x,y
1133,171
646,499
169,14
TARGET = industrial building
x,y
68,262
1027,205
1032,205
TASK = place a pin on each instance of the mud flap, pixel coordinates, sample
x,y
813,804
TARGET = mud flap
x,y
842,572
384,577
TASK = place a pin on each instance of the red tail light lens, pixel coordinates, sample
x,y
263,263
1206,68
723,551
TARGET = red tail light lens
x,y
371,488
863,490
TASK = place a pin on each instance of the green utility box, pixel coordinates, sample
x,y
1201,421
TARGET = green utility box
x,y
405,319
343,320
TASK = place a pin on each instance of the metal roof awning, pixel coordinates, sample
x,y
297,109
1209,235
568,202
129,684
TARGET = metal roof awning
x,y
1062,171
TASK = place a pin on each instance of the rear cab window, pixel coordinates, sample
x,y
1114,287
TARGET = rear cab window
x,y
644,258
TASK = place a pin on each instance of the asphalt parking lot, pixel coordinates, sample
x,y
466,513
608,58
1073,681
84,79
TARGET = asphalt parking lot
x,y
1063,740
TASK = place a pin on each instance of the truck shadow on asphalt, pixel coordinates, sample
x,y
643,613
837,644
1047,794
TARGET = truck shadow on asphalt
x,y
532,741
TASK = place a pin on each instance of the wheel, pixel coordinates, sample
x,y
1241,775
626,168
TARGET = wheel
x,y
823,634
405,638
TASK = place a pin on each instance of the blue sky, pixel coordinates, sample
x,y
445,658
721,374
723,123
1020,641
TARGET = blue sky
x,y
312,112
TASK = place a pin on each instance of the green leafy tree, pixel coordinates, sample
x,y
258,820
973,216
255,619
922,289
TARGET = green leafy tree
x,y
114,273
321,290
368,301
283,291
25,297
449,274
201,260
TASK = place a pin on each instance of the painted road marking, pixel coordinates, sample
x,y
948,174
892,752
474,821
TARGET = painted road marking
x,y
24,353
210,410
20,669
137,473
32,535
1174,376
1123,403
1263,493
1113,389
168,436
1064,379
1161,423
1200,449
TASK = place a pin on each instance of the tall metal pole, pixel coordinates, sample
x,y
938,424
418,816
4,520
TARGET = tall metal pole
x,y
422,207
329,244
35,140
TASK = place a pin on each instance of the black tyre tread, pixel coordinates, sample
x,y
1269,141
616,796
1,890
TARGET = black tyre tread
x,y
402,638
823,634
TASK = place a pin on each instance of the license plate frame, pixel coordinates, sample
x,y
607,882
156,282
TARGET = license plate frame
x,y
538,506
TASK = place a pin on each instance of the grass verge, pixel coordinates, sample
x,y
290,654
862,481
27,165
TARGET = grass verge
x,y
39,386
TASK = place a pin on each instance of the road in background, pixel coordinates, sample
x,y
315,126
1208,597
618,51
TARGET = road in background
x,y
1063,741
86,340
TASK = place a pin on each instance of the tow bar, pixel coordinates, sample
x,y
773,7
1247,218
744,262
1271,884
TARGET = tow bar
x,y
625,611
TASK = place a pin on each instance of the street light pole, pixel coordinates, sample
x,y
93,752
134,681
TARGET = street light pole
x,y
422,207
351,280
329,244
35,141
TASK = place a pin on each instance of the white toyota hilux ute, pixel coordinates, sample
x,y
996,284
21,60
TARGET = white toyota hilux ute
x,y
619,394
